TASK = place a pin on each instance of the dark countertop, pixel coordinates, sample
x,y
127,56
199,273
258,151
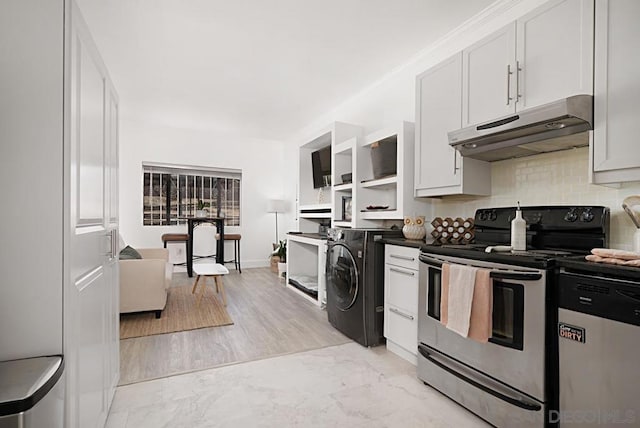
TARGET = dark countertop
x,y
579,264
403,242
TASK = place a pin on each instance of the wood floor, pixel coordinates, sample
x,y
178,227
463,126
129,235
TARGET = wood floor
x,y
269,320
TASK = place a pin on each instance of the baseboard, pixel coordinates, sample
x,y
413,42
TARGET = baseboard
x,y
402,353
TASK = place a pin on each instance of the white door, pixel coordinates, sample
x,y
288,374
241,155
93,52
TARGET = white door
x,y
91,246
617,90
112,373
488,77
439,110
554,52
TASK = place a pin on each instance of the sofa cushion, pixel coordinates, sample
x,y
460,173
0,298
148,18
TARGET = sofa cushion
x,y
129,253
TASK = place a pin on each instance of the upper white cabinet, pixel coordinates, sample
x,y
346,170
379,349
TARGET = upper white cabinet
x,y
439,169
543,56
615,153
487,77
554,52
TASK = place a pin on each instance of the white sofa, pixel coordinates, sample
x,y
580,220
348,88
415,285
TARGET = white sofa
x,y
144,282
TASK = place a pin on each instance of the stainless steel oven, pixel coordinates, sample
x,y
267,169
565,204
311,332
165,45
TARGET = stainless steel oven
x,y
511,380
503,381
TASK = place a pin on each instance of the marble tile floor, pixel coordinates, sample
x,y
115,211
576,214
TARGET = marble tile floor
x,y
344,385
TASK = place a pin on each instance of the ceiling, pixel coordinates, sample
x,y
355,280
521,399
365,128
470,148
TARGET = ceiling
x,y
257,68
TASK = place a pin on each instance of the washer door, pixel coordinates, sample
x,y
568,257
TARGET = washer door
x,y
342,276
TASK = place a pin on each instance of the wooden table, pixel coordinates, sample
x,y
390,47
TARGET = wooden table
x,y
194,221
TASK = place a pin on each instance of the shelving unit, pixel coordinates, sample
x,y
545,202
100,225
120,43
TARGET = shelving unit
x,y
343,162
384,183
317,206
306,258
347,187
315,211
350,154
393,191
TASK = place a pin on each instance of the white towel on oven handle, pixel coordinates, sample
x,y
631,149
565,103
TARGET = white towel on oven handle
x,y
462,280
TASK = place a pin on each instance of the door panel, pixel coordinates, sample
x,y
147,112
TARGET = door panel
x,y
617,67
91,342
112,290
91,134
439,111
551,70
91,292
112,160
488,77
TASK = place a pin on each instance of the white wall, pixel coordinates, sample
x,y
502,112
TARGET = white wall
x,y
392,98
31,149
262,163
559,178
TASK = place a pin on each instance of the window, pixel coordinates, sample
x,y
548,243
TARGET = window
x,y
171,192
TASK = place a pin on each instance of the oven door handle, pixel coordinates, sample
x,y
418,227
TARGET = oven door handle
x,y
519,276
495,273
487,385
431,261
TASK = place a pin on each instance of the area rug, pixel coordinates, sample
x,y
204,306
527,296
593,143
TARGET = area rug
x,y
181,313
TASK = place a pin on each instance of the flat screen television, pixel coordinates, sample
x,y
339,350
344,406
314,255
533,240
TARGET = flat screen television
x,y
321,166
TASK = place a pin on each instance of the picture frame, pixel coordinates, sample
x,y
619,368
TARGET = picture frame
x,y
346,208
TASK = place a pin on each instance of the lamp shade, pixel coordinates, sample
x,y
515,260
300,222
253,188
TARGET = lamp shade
x,y
276,206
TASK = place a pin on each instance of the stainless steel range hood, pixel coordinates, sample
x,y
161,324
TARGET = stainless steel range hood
x,y
546,128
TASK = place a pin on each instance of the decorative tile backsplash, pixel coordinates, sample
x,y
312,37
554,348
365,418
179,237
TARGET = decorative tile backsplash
x,y
559,178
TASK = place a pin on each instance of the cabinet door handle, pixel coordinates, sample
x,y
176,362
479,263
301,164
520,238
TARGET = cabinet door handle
x,y
395,256
455,162
402,314
112,236
402,271
518,70
509,73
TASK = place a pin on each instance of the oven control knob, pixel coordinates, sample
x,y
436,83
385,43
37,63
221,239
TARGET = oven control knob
x,y
587,215
482,216
493,215
571,215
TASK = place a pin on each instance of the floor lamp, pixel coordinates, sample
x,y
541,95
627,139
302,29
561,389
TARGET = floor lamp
x,y
276,206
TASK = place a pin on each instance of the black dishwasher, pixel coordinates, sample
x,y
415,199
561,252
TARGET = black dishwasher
x,y
598,344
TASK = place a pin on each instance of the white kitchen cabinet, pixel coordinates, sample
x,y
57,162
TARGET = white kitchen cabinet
x,y
401,300
554,52
545,55
615,154
488,77
439,169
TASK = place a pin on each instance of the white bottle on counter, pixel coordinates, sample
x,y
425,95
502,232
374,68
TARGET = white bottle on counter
x,y
518,232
